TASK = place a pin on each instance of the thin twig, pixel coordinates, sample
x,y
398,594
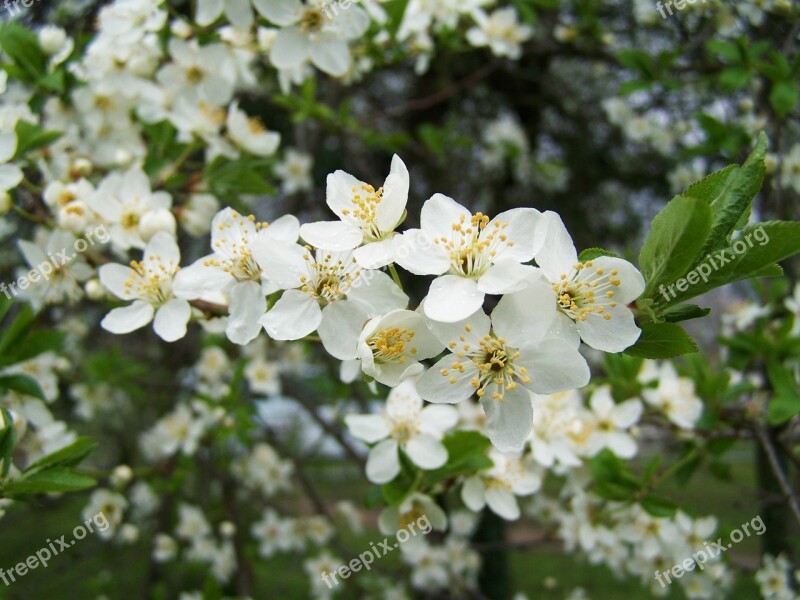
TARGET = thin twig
x,y
774,462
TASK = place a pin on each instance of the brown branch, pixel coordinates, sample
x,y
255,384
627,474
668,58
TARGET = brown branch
x,y
774,463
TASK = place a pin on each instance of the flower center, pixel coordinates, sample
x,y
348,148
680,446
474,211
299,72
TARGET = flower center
x,y
389,345
195,74
332,280
584,292
312,20
403,431
130,220
153,284
365,204
472,246
235,257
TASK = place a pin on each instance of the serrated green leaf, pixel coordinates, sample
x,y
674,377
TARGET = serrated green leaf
x,y
769,243
677,235
733,198
662,340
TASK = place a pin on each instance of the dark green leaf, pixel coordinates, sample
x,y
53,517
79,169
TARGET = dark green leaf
x,y
659,507
662,340
66,457
57,479
684,312
22,384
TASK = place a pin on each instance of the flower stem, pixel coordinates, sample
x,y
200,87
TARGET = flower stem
x,y
395,276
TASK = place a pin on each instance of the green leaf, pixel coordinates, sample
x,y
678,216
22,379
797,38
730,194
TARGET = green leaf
x,y
66,457
22,384
637,60
733,79
592,253
466,454
612,478
762,245
36,343
731,194
676,237
57,479
662,340
684,312
395,10
726,50
8,440
659,507
32,137
781,409
22,46
374,497
13,335
783,97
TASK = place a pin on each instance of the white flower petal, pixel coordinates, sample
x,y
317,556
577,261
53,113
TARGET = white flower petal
x,y
239,13
506,277
376,254
508,421
437,384
199,279
610,335
331,56
369,428
522,230
331,235
526,316
290,49
113,277
426,452
247,306
395,196
294,316
383,463
503,503
128,318
171,319
557,255
377,293
340,327
415,251
553,365
440,213
473,493
280,12
452,298
284,264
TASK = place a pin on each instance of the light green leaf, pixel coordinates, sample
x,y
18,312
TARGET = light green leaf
x,y
676,237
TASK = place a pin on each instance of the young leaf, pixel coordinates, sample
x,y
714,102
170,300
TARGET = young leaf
x,y
676,236
662,340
